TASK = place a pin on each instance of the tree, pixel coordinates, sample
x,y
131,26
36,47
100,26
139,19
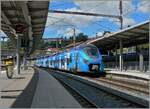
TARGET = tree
x,y
9,44
66,41
81,37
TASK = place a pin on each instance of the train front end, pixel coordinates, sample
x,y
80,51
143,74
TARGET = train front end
x,y
91,59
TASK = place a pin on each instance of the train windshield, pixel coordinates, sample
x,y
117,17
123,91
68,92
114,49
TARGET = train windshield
x,y
91,51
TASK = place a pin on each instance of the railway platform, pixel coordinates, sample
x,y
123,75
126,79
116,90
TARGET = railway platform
x,y
136,74
50,93
33,88
18,92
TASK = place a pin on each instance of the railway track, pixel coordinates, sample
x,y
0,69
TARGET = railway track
x,y
90,95
76,94
136,88
128,79
124,82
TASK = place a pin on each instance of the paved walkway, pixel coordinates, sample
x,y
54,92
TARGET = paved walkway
x,y
34,88
18,92
51,94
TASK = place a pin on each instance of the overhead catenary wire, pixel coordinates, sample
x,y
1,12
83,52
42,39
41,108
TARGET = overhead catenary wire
x,y
83,13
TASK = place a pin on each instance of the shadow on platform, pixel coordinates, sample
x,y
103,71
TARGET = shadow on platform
x,y
24,100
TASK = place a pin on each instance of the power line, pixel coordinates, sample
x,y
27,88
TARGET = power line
x,y
130,11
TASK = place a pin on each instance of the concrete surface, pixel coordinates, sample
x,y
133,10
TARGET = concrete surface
x,y
51,94
130,73
18,92
123,93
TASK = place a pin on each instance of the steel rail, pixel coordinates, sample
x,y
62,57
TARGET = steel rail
x,y
77,80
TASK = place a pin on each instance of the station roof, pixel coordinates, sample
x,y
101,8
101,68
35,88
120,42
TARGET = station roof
x,y
31,14
130,36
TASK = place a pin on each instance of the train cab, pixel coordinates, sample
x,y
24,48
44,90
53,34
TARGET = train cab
x,y
91,58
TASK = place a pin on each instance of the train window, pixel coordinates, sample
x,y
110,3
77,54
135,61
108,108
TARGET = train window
x,y
50,62
90,51
63,62
70,58
46,62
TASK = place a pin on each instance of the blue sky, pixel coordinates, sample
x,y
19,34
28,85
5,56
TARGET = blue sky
x,y
135,16
134,12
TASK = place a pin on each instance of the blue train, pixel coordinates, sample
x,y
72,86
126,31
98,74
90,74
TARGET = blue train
x,y
84,58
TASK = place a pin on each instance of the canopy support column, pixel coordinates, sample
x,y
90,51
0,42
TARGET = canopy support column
x,y
116,57
24,63
18,54
121,56
141,60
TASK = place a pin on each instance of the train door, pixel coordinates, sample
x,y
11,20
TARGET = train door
x,y
59,61
65,62
44,62
68,60
49,62
76,60
62,62
53,62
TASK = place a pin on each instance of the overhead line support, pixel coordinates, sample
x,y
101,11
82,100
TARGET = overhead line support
x,y
83,13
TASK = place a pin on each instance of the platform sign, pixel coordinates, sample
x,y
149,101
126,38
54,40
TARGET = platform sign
x,y
19,28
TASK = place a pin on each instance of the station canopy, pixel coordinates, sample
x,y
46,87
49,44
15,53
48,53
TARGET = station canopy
x,y
130,36
31,15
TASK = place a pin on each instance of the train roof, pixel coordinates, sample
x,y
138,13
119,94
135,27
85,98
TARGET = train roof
x,y
66,50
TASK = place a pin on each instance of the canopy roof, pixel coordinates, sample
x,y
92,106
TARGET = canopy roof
x,y
131,36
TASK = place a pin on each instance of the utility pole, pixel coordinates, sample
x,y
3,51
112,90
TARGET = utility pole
x,y
121,16
74,44
120,42
74,38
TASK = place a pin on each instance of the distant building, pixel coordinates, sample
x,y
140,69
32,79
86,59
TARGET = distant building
x,y
52,39
53,49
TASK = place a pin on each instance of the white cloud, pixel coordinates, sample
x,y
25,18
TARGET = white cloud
x,y
99,33
108,8
76,20
104,7
128,21
144,6
57,21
